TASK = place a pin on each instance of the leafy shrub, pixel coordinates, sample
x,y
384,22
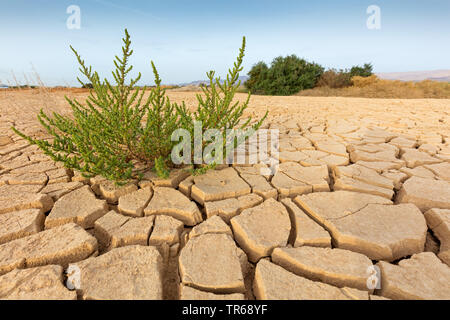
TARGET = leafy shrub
x,y
257,78
117,133
364,71
286,76
217,109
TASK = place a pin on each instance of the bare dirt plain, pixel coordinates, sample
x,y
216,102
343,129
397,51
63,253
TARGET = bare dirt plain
x,y
362,193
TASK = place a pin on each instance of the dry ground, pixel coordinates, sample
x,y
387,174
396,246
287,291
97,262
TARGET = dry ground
x,y
362,193
417,116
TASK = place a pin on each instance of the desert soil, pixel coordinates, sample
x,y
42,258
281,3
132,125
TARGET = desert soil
x,y
358,208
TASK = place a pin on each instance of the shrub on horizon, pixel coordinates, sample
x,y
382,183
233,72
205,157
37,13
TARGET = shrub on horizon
x,y
257,78
285,76
365,71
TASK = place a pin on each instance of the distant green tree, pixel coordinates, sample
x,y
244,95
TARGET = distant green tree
x,y
257,77
364,71
286,76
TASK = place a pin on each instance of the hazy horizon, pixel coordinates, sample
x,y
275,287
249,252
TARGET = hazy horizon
x,y
186,39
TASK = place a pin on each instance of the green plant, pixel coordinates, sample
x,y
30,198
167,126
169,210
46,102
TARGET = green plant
x,y
286,76
117,130
217,109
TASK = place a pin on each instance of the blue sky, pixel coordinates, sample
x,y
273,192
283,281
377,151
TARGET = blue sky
x,y
187,38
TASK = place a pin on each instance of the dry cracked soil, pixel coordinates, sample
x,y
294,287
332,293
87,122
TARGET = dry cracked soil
x,y
358,209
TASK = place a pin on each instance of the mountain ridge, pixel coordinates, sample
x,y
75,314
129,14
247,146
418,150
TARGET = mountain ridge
x,y
436,75
198,82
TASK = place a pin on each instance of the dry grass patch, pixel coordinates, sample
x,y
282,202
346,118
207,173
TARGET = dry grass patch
x,y
373,87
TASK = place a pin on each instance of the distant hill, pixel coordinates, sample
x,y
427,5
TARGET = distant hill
x,y
436,75
442,79
199,82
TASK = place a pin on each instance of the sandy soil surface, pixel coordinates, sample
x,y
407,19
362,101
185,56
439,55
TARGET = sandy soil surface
x,y
358,208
